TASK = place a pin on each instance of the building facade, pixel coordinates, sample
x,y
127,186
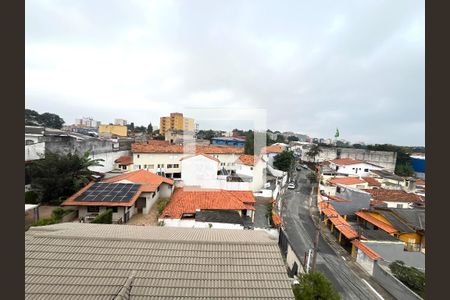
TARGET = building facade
x,y
176,121
111,130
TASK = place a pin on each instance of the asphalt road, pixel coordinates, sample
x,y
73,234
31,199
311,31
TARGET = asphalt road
x,y
300,230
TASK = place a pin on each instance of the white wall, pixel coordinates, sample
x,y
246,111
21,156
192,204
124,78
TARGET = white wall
x,y
364,261
191,223
82,212
198,170
34,151
394,204
109,157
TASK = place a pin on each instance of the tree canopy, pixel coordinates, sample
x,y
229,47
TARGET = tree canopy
x,y
403,164
46,119
57,177
410,276
314,151
150,128
313,286
284,160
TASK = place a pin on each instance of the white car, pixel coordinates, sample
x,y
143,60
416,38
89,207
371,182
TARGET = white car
x,y
291,185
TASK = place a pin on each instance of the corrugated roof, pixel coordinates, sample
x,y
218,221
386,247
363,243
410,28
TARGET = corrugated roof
x,y
97,261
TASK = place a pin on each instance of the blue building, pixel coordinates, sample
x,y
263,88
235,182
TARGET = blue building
x,y
228,141
418,164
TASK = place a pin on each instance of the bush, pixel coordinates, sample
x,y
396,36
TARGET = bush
x,y
31,197
410,276
47,221
313,286
58,213
104,218
56,217
162,203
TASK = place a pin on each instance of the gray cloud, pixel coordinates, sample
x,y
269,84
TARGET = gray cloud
x,y
314,65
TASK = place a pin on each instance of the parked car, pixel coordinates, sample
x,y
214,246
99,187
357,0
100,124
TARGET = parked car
x,y
291,185
298,168
305,166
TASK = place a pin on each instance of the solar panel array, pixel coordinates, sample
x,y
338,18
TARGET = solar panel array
x,y
109,192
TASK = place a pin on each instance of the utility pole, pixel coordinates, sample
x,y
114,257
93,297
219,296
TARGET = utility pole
x,y
316,248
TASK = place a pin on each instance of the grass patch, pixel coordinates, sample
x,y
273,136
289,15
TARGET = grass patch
x,y
161,204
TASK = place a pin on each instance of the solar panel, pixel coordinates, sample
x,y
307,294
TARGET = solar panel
x,y
109,192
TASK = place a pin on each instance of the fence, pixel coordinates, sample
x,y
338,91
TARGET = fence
x,y
293,261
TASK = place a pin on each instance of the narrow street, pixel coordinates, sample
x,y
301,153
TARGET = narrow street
x,y
300,229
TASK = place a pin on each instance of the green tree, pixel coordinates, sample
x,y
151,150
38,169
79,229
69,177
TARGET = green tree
x,y
292,138
149,128
104,218
57,177
313,286
31,117
51,120
284,160
410,276
403,165
280,139
131,127
249,147
313,152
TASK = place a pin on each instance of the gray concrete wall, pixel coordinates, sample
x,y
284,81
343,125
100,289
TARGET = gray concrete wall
x,y
65,145
384,159
359,200
395,251
394,286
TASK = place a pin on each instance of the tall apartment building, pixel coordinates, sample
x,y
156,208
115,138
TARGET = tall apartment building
x,y
121,122
87,122
176,121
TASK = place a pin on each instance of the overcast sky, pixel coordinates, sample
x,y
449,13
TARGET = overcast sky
x,y
313,65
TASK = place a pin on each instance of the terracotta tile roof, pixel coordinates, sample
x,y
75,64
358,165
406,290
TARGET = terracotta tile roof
x,y
149,181
124,160
380,224
393,195
149,148
420,182
367,251
272,149
338,221
158,142
347,181
72,202
248,160
371,181
276,219
346,161
185,200
205,155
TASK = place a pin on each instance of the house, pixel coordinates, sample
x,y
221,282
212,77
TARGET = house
x,y
228,141
124,163
408,225
165,159
341,229
200,170
347,201
102,261
34,143
254,167
395,198
354,182
202,208
126,194
269,152
350,166
388,179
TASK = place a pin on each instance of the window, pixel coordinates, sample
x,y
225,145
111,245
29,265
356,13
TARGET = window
x,y
338,189
124,167
145,166
29,142
138,156
176,165
366,170
157,189
399,205
169,166
114,209
151,166
139,167
93,209
251,168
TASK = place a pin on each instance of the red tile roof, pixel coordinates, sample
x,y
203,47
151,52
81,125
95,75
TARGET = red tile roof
x,y
380,224
346,161
149,148
205,155
364,248
72,202
272,149
371,181
149,181
393,195
420,182
158,142
276,219
124,160
185,200
248,160
347,181
338,221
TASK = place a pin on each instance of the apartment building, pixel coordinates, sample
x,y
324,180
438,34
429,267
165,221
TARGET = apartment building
x,y
166,159
176,121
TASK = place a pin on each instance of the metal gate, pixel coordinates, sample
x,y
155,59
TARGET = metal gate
x,y
283,242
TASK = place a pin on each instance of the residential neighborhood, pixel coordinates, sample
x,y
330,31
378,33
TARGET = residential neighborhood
x,y
225,150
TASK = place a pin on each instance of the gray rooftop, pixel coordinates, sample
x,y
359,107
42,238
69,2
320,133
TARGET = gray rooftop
x,y
96,261
387,174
